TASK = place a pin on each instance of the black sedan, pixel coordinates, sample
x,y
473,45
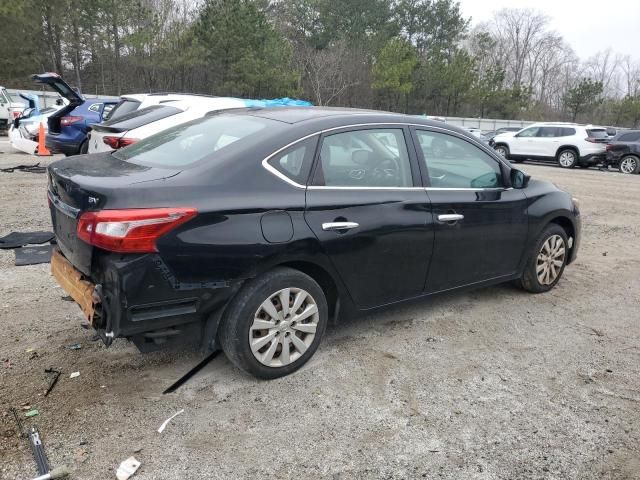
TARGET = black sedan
x,y
248,230
623,151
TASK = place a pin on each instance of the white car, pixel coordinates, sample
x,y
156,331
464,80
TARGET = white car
x,y
568,144
132,102
124,130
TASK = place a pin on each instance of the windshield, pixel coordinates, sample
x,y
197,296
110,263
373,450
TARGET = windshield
x,y
186,144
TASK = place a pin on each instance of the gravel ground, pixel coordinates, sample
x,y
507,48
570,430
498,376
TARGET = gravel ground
x,y
492,384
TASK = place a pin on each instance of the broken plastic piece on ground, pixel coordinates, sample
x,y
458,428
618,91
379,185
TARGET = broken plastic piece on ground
x,y
127,468
74,375
20,239
166,422
33,255
32,413
75,346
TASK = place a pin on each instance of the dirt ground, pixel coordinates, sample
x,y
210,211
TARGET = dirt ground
x,y
492,384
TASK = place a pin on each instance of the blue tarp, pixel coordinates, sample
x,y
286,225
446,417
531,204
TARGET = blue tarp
x,y
276,102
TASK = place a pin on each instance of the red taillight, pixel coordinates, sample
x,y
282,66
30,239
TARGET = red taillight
x,y
65,121
130,231
118,142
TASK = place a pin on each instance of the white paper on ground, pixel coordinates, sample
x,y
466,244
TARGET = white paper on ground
x,y
127,468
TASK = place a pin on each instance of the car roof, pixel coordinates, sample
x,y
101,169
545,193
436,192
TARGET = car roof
x,y
294,115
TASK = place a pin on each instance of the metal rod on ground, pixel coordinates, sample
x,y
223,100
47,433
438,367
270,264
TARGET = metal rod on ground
x,y
54,381
182,380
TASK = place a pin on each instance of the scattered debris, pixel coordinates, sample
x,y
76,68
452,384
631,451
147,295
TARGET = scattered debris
x,y
57,374
35,168
182,380
58,472
35,443
75,346
166,422
20,239
67,298
32,413
604,254
80,455
33,255
127,468
74,375
29,350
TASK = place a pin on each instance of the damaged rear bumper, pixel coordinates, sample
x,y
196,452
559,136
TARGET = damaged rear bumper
x,y
137,297
81,290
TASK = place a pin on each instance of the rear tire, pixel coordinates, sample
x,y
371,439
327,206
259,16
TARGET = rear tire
x,y
546,260
257,327
629,164
84,148
567,158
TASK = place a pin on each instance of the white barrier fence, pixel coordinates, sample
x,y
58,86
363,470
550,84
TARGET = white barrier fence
x,y
485,124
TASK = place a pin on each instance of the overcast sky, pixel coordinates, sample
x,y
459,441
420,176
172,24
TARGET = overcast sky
x,y
588,25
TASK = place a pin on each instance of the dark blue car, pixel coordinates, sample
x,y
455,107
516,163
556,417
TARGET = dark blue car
x,y
68,127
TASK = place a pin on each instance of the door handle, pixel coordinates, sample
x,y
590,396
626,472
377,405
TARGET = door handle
x,y
339,226
450,217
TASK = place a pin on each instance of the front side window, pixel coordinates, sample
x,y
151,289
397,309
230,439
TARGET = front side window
x,y
455,163
95,107
529,132
364,158
295,162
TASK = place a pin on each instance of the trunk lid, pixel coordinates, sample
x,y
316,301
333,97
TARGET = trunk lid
x,y
81,183
56,82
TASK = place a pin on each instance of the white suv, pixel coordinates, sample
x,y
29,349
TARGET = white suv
x,y
568,144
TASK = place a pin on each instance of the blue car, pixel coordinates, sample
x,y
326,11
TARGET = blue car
x,y
69,126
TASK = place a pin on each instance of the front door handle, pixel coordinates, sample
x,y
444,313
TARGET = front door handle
x,y
450,217
339,226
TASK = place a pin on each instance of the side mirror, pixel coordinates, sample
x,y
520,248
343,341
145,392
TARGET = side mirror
x,y
519,179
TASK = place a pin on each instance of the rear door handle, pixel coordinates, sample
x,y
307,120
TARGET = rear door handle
x,y
339,226
450,217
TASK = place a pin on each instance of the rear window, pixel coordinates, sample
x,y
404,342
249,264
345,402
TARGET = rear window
x,y
141,117
597,133
186,144
123,107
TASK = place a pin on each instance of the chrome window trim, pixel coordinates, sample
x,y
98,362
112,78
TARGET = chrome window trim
x,y
282,176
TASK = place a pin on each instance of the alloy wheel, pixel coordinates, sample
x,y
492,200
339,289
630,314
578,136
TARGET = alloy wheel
x,y
567,159
628,165
284,327
550,260
502,151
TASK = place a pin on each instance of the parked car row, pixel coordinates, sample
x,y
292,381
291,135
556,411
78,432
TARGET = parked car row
x,y
570,145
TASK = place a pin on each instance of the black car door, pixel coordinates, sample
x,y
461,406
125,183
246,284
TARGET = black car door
x,y
480,224
370,213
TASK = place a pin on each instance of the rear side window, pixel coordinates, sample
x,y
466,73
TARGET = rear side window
x,y
95,107
455,163
205,138
141,117
567,132
364,158
629,137
597,133
295,162
123,107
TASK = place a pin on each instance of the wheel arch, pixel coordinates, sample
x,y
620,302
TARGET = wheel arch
x,y
568,147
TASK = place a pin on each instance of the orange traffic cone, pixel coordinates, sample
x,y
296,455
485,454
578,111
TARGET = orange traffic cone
x,y
42,148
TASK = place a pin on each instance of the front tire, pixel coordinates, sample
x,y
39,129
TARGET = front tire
x,y
275,323
629,164
567,158
546,261
503,151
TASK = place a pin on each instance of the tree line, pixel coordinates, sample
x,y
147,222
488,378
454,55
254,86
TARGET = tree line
x,y
413,56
